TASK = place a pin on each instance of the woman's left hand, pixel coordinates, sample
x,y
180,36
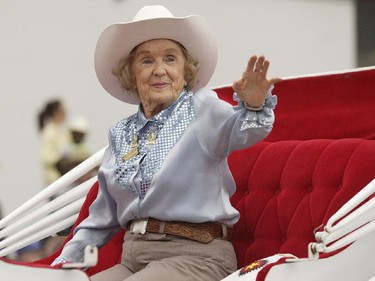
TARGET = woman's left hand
x,y
254,85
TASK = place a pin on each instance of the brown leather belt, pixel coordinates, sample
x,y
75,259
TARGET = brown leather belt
x,y
202,232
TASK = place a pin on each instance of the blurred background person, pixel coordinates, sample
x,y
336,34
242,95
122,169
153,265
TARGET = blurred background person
x,y
54,138
77,149
75,153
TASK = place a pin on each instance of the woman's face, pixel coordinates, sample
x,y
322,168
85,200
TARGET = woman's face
x,y
158,74
59,115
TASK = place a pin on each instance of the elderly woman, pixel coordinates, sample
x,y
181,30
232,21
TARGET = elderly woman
x,y
165,177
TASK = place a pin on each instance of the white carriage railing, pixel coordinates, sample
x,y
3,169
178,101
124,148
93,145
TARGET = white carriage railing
x,y
41,217
353,220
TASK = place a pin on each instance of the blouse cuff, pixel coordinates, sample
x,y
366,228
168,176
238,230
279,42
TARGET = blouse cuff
x,y
259,117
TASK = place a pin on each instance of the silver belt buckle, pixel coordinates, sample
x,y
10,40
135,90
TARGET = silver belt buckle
x,y
138,226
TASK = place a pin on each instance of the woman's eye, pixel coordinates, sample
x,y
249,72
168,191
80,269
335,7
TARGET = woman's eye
x,y
146,61
170,59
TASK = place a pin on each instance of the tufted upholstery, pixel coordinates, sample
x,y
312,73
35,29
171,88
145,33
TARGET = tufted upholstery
x,y
320,153
287,189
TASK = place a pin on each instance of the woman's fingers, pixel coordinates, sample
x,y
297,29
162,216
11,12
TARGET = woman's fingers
x,y
259,64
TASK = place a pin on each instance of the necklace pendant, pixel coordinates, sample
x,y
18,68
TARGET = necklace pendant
x,y
133,151
151,138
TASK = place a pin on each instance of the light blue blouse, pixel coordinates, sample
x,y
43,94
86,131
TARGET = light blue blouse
x,y
182,176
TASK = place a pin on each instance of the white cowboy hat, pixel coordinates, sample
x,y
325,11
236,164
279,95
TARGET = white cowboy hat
x,y
153,22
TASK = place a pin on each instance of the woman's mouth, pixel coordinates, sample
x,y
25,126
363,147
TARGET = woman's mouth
x,y
159,85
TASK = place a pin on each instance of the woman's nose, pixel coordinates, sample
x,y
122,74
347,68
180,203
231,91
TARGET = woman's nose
x,y
159,69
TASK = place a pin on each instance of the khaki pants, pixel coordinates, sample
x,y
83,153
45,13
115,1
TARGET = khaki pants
x,y
161,257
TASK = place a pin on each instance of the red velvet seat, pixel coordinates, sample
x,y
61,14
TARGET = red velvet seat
x,y
287,189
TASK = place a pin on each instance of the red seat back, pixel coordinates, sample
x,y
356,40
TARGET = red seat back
x,y
287,189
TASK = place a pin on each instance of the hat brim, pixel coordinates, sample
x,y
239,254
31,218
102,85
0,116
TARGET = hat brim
x,y
119,39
